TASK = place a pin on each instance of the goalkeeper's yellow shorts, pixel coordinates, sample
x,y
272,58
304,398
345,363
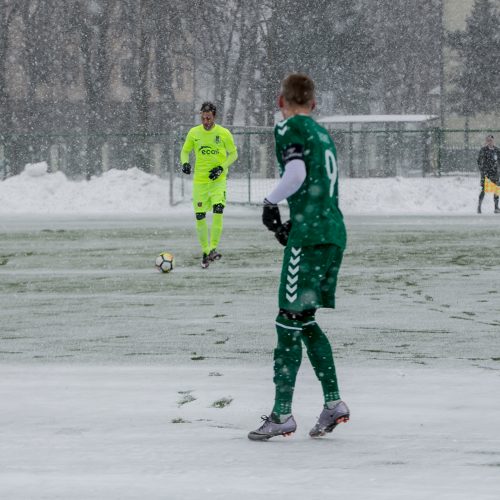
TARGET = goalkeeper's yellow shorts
x,y
208,194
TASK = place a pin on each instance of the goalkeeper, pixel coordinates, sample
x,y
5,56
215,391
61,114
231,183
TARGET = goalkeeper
x,y
214,152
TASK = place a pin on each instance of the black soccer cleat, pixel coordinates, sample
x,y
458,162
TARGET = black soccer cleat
x,y
205,261
214,255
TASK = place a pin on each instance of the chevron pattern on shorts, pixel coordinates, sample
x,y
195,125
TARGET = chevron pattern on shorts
x,y
292,276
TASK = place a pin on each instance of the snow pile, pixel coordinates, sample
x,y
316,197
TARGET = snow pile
x,y
35,191
414,195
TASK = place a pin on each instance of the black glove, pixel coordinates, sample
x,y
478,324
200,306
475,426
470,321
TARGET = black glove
x,y
282,232
271,216
215,172
186,168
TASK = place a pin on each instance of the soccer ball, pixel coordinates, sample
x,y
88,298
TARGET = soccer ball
x,y
164,262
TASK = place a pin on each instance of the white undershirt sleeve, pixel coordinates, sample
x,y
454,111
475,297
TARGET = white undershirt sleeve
x,y
294,176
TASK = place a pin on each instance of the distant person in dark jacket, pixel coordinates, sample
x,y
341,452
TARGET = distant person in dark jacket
x,y
488,162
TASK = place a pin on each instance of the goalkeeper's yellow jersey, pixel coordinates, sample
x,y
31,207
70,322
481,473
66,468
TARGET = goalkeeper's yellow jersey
x,y
212,148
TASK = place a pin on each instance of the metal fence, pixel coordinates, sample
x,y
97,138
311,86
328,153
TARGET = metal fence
x,y
384,152
459,149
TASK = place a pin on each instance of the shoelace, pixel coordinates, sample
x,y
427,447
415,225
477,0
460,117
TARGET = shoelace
x,y
266,420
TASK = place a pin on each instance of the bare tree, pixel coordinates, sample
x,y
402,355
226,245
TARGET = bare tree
x,y
216,43
151,33
93,22
138,31
8,11
407,54
172,55
476,78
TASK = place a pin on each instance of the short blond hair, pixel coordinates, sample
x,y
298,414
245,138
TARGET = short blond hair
x,y
298,89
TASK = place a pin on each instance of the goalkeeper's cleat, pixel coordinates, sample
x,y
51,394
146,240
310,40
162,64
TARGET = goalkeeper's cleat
x,y
329,419
214,255
205,261
270,429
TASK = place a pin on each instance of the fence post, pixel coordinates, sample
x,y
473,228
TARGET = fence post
x,y
351,152
467,135
171,170
3,163
246,142
387,150
105,156
424,152
439,132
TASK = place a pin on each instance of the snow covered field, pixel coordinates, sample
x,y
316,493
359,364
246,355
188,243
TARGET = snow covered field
x,y
118,382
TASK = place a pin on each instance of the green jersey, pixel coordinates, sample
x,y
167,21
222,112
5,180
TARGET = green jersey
x,y
212,148
314,208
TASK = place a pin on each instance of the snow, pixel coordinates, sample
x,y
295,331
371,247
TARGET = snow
x,y
35,191
85,432
377,118
117,191
109,371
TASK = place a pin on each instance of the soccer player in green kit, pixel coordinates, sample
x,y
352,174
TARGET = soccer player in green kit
x,y
214,151
314,239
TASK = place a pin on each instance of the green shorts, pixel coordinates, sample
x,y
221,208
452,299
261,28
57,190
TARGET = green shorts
x,y
206,195
309,277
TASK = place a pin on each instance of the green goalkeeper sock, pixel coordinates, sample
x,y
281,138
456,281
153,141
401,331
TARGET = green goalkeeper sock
x,y
202,232
216,230
320,354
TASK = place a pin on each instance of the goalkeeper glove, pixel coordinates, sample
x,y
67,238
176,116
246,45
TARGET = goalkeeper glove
x,y
186,168
282,232
215,173
271,216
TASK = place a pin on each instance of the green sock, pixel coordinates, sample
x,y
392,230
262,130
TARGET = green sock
x,y
216,230
320,354
202,232
287,359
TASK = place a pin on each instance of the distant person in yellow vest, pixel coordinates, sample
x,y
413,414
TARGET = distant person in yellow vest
x,y
214,151
488,162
